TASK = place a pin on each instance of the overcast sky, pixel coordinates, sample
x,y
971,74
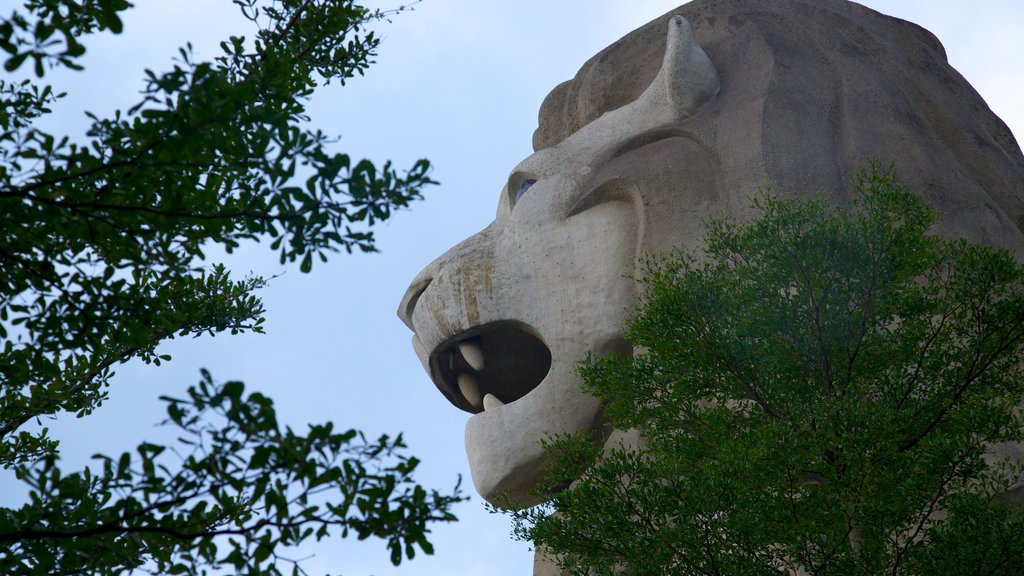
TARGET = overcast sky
x,y
458,82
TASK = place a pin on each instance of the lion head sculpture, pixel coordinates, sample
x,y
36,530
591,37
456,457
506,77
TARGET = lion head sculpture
x,y
655,133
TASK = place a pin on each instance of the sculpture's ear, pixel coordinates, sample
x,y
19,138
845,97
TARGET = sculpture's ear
x,y
687,78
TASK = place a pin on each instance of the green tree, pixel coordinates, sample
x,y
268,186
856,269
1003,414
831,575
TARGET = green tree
x,y
820,392
102,259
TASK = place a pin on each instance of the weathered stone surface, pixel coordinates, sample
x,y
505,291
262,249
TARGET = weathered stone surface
x,y
643,144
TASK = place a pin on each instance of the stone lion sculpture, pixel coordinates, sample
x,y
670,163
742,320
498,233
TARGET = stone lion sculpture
x,y
684,118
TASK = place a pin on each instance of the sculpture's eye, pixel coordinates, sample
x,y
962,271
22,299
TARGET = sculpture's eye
x,y
523,187
518,183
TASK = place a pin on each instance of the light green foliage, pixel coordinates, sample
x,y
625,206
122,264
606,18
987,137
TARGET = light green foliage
x,y
817,392
102,259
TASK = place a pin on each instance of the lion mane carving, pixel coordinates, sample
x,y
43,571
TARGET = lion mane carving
x,y
656,132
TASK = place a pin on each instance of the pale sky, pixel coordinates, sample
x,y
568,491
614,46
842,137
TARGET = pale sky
x,y
458,82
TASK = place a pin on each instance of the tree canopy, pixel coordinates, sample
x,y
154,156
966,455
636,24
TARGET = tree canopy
x,y
102,259
822,390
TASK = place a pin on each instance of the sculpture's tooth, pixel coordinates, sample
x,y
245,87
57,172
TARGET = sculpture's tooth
x,y
491,402
473,354
470,388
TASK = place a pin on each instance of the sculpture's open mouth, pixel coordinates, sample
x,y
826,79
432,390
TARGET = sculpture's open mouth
x,y
490,365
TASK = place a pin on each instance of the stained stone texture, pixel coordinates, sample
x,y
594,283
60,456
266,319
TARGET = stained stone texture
x,y
811,90
678,120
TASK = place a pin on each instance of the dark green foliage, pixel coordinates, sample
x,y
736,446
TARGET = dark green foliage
x,y
237,490
102,242
102,259
817,392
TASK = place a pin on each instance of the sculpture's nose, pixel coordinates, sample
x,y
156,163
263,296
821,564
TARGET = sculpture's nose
x,y
412,296
458,266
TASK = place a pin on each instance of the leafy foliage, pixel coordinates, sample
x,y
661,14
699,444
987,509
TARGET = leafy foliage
x,y
102,242
824,391
102,259
243,489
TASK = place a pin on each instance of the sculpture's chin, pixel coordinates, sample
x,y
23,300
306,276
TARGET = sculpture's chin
x,y
505,373
522,392
504,444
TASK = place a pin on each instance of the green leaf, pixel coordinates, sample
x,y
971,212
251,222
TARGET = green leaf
x,y
15,62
